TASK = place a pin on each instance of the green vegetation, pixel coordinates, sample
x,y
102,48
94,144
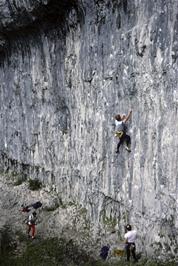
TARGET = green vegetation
x,y
6,245
52,208
34,184
146,262
58,203
52,252
19,180
83,211
109,222
47,252
14,177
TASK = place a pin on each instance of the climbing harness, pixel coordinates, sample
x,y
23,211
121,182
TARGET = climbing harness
x,y
119,134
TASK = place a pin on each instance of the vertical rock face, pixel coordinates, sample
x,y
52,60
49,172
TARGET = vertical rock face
x,y
63,80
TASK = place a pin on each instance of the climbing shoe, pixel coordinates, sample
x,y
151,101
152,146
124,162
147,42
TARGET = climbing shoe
x,y
128,149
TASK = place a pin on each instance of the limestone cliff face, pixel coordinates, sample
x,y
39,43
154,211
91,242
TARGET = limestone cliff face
x,y
65,71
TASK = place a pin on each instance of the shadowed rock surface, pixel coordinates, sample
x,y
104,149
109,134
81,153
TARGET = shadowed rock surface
x,y
66,69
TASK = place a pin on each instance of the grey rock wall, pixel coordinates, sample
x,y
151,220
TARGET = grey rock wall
x,y
61,84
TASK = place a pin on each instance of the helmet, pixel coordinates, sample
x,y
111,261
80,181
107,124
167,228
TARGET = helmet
x,y
128,227
34,213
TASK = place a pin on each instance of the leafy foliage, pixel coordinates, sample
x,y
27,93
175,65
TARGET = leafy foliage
x,y
34,184
53,252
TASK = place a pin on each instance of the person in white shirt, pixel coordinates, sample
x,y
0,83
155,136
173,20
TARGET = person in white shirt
x,y
31,222
130,238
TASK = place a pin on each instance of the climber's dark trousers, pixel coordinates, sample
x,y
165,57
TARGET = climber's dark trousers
x,y
125,138
130,248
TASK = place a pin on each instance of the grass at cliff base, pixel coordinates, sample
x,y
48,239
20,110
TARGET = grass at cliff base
x,y
54,251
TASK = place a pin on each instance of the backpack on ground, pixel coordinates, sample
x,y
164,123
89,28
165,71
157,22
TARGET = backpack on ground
x,y
37,205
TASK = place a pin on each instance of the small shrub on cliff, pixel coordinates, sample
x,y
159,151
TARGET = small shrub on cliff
x,y
19,180
34,184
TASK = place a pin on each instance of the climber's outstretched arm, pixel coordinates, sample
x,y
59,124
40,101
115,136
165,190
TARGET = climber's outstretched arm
x,y
128,116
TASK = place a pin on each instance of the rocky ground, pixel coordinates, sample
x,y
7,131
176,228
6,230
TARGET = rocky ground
x,y
64,234
55,218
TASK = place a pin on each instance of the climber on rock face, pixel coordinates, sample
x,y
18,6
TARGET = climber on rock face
x,y
121,129
130,237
